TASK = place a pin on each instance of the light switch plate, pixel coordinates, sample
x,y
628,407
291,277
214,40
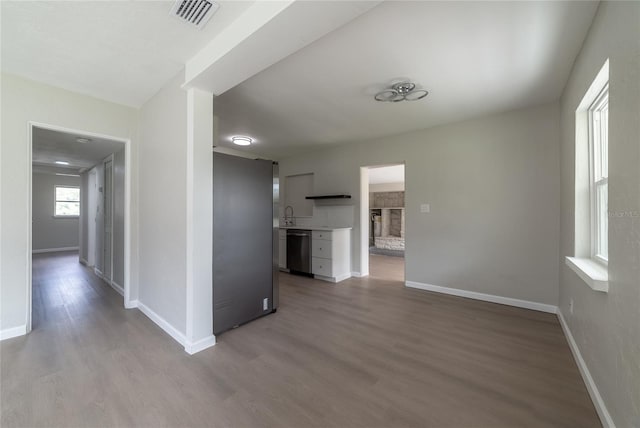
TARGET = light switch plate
x,y
425,208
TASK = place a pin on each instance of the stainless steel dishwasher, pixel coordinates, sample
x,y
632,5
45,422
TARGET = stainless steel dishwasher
x,y
299,251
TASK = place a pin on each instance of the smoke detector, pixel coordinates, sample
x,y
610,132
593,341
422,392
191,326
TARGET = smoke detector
x,y
194,12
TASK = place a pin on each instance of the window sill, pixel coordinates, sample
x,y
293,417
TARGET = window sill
x,y
593,273
65,216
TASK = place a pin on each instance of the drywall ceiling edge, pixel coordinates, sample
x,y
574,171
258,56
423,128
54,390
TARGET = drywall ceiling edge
x,y
261,36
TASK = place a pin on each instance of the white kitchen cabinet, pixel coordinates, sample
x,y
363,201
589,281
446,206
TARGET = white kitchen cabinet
x,y
331,254
282,249
322,234
321,248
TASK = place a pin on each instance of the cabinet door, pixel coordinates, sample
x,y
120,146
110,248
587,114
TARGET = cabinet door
x,y
322,234
321,248
320,266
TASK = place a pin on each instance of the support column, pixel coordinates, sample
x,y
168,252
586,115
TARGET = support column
x,y
199,331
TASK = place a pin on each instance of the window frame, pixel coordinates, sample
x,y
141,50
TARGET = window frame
x,y
593,271
55,201
598,174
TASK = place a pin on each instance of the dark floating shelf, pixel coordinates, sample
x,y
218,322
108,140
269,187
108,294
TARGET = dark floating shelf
x,y
329,197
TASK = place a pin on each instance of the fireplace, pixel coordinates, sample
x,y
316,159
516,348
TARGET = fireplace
x,y
387,221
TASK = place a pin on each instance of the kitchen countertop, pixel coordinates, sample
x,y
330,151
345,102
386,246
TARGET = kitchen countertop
x,y
327,228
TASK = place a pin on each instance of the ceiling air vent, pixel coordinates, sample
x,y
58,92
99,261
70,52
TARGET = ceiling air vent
x,y
195,12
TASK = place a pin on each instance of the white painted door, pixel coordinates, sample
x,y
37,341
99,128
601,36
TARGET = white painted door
x,y
108,220
92,212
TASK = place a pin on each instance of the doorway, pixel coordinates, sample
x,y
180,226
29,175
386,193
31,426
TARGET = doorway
x,y
107,247
92,195
79,208
383,221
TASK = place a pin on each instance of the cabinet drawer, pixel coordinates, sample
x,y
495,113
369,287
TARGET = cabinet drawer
x,y
321,266
321,248
322,234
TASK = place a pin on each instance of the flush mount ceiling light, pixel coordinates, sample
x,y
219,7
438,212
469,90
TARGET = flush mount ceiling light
x,y
402,91
241,141
62,162
82,140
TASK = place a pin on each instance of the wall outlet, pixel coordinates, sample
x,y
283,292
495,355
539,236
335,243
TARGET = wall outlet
x,y
571,306
265,304
425,208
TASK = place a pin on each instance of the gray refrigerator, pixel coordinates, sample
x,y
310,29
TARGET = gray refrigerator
x,y
245,240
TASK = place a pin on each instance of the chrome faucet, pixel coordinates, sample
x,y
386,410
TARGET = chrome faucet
x,y
288,216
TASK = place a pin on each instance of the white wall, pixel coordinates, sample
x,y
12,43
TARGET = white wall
x,y
24,101
162,203
386,187
606,327
49,232
199,333
493,185
175,187
298,188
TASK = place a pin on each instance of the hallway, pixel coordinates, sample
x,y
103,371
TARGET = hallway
x,y
65,291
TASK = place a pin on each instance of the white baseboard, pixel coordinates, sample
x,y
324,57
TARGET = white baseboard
x,y
84,262
131,304
333,279
358,274
601,408
116,287
8,333
163,324
343,277
542,307
189,347
55,250
200,345
324,278
119,289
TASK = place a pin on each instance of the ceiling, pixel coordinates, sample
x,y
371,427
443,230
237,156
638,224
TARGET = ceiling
x,y
475,58
386,174
50,146
120,51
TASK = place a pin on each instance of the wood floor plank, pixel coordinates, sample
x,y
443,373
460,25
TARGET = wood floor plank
x,y
366,352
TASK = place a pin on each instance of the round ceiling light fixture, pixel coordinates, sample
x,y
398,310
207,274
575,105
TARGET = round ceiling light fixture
x,y
83,140
402,91
241,141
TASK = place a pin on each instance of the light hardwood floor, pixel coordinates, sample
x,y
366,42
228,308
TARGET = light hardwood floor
x,y
386,268
367,352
